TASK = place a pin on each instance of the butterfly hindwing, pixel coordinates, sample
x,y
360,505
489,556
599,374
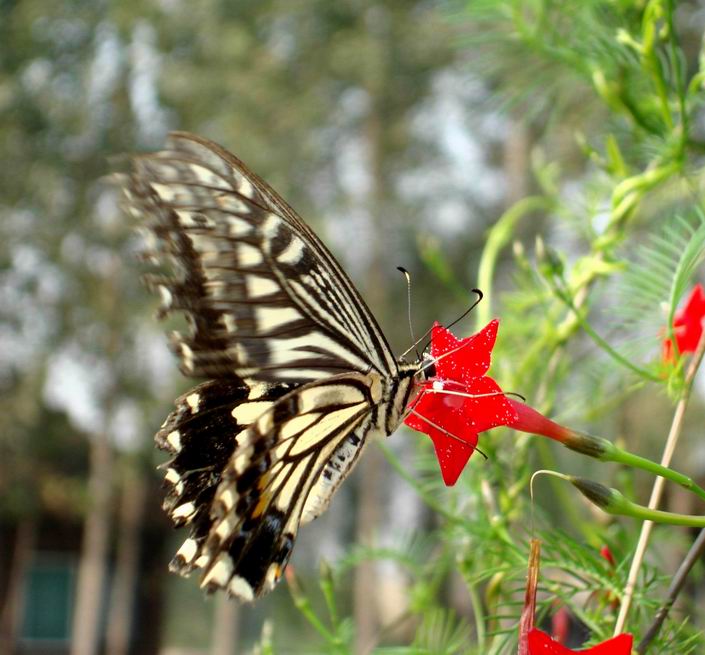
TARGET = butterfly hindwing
x,y
278,475
202,434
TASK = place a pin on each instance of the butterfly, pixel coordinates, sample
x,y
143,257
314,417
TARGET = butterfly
x,y
298,375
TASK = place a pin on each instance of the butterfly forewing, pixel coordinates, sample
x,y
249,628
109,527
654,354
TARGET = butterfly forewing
x,y
266,299
300,374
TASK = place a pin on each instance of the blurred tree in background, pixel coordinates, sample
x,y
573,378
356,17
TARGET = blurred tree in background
x,y
438,136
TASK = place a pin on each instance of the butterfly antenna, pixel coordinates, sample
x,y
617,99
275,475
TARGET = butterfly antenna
x,y
480,296
407,275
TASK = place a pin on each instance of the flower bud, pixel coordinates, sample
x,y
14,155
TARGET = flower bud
x,y
597,493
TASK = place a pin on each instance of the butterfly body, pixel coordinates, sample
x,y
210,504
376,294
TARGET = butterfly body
x,y
299,375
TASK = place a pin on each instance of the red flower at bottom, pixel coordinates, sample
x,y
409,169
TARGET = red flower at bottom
x,y
541,644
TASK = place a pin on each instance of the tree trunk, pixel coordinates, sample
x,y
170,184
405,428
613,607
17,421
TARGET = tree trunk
x,y
92,569
226,630
122,601
517,164
11,614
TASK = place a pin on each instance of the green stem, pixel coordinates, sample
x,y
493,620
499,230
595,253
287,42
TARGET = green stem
x,y
326,583
561,493
430,501
601,342
615,454
304,606
478,613
659,516
613,502
498,237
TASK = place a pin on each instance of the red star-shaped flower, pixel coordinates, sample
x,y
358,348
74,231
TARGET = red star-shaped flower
x,y
687,325
541,644
459,401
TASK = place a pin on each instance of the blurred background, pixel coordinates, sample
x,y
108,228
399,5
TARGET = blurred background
x,y
401,132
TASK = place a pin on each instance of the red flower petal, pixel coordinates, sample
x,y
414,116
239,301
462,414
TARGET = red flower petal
x,y
487,411
444,411
452,454
687,324
541,644
441,409
607,554
461,359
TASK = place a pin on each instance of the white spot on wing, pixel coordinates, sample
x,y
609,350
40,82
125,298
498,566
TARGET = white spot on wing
x,y
172,476
245,187
185,218
208,177
257,390
248,413
270,318
188,550
241,461
166,296
241,588
225,527
220,572
270,227
259,286
248,255
292,253
174,439
272,576
193,401
228,321
164,191
227,498
232,204
238,227
184,511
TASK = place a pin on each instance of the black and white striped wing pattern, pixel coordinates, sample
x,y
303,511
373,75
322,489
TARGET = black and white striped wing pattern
x,y
299,374
267,300
245,485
